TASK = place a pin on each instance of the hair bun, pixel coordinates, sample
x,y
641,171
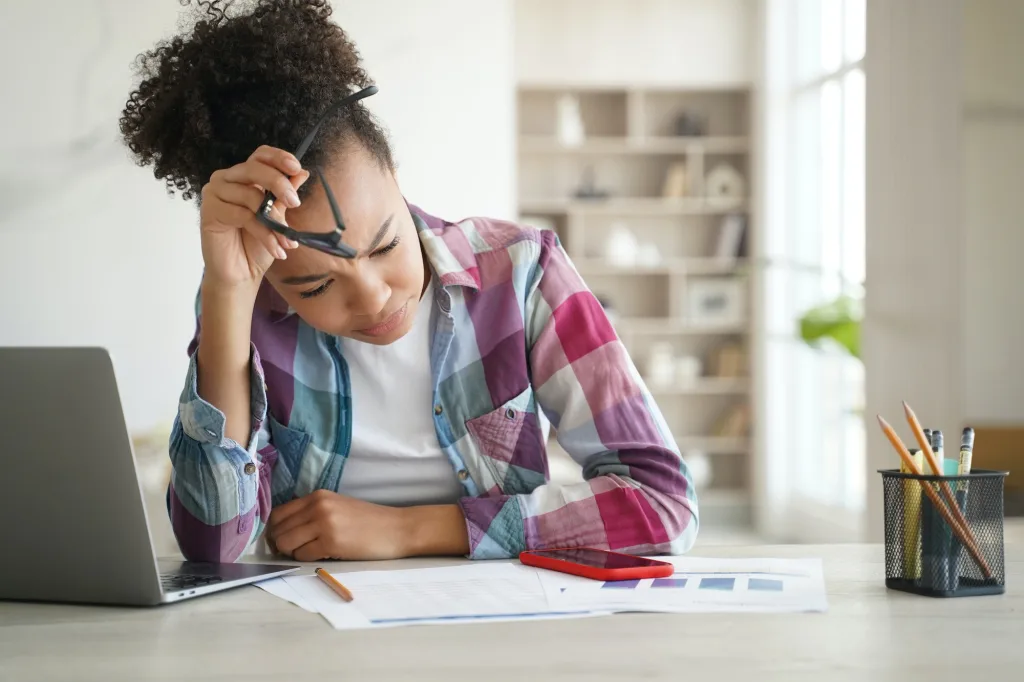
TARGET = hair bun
x,y
242,75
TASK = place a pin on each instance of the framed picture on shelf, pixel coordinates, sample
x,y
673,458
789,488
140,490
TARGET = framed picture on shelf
x,y
712,301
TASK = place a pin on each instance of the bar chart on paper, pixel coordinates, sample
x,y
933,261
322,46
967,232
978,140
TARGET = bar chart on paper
x,y
702,584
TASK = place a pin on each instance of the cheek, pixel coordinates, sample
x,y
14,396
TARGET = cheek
x,y
325,314
406,270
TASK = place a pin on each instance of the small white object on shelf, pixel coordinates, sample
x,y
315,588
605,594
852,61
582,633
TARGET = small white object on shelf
x,y
570,121
661,364
688,370
622,247
648,255
700,468
724,186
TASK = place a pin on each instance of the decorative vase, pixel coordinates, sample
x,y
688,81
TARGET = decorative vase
x,y
622,247
570,121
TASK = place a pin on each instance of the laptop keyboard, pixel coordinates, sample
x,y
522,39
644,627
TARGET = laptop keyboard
x,y
176,582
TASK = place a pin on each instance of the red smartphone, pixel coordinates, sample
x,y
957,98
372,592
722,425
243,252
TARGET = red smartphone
x,y
597,564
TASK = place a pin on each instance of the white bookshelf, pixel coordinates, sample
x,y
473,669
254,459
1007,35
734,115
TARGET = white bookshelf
x,y
629,147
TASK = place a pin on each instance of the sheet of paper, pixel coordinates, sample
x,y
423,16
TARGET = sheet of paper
x,y
279,588
482,592
705,585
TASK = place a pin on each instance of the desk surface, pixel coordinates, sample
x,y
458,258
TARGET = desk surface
x,y
246,634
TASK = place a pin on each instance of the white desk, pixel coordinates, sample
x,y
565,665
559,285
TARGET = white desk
x,y
248,635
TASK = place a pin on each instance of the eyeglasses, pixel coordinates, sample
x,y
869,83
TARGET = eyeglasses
x,y
329,242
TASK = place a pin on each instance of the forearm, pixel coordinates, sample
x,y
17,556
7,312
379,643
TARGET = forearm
x,y
649,512
435,530
215,504
223,360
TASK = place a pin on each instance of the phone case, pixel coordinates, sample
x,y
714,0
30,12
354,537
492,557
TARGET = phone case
x,y
663,570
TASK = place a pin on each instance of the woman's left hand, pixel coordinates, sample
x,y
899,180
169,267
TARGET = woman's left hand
x,y
327,525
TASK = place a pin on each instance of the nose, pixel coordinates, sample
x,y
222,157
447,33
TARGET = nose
x,y
368,294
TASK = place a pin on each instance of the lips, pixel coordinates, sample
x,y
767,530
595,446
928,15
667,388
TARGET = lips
x,y
388,325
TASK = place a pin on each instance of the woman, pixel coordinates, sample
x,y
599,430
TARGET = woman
x,y
376,397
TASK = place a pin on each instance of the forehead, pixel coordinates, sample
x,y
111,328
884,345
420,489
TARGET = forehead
x,y
363,190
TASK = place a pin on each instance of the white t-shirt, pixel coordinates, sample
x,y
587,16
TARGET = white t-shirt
x,y
395,458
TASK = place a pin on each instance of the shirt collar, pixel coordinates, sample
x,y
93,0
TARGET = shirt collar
x,y
448,250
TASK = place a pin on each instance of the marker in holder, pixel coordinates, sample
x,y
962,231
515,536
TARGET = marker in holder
x,y
944,568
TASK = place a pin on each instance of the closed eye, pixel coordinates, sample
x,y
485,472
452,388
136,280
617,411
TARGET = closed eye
x,y
316,292
383,251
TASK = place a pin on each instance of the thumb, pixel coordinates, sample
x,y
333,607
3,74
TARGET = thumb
x,y
299,178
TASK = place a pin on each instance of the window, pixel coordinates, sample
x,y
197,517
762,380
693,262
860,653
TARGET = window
x,y
813,398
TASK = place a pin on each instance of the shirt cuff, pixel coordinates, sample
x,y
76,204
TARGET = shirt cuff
x,y
205,423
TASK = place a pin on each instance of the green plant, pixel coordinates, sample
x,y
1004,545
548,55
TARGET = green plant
x,y
838,321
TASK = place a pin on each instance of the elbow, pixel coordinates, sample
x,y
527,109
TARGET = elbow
x,y
669,500
199,541
684,524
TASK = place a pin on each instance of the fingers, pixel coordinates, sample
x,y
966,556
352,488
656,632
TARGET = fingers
x,y
238,194
234,216
256,173
277,158
231,208
234,205
270,543
281,513
311,551
294,538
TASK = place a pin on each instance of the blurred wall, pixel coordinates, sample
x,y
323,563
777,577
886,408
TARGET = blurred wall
x,y
993,245
944,328
643,43
94,250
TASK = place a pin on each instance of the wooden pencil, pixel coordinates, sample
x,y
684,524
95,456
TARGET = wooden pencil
x,y
333,583
962,531
936,466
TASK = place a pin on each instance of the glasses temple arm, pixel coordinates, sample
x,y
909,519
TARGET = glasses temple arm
x,y
330,200
304,146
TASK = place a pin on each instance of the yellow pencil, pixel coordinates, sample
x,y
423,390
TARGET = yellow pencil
x,y
333,583
912,521
963,532
936,466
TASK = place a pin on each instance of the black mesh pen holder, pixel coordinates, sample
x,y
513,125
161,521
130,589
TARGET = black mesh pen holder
x,y
923,553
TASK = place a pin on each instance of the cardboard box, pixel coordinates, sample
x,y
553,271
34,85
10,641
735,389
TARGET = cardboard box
x,y
1000,448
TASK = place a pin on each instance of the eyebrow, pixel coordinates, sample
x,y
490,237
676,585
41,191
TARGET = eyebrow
x,y
377,239
305,279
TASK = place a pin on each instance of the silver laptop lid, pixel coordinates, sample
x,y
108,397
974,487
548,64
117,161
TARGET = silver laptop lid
x,y
74,520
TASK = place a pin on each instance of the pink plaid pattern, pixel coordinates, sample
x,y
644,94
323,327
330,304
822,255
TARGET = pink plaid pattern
x,y
517,333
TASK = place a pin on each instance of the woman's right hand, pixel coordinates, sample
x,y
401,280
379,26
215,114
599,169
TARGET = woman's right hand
x,y
237,248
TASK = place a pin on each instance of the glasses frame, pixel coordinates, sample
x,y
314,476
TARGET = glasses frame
x,y
329,242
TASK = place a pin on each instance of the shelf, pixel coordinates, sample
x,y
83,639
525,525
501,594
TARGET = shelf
x,y
628,145
677,266
714,445
670,325
703,386
630,206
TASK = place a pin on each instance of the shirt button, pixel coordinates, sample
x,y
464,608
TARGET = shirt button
x,y
438,409
463,474
250,469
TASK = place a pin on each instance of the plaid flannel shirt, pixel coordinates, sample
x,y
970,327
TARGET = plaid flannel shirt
x,y
515,331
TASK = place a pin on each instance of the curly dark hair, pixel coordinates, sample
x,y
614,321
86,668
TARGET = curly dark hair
x,y
246,74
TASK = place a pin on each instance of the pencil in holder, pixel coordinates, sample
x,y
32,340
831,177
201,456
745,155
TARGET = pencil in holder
x,y
955,551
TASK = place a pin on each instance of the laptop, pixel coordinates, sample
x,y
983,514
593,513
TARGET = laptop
x,y
74,521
